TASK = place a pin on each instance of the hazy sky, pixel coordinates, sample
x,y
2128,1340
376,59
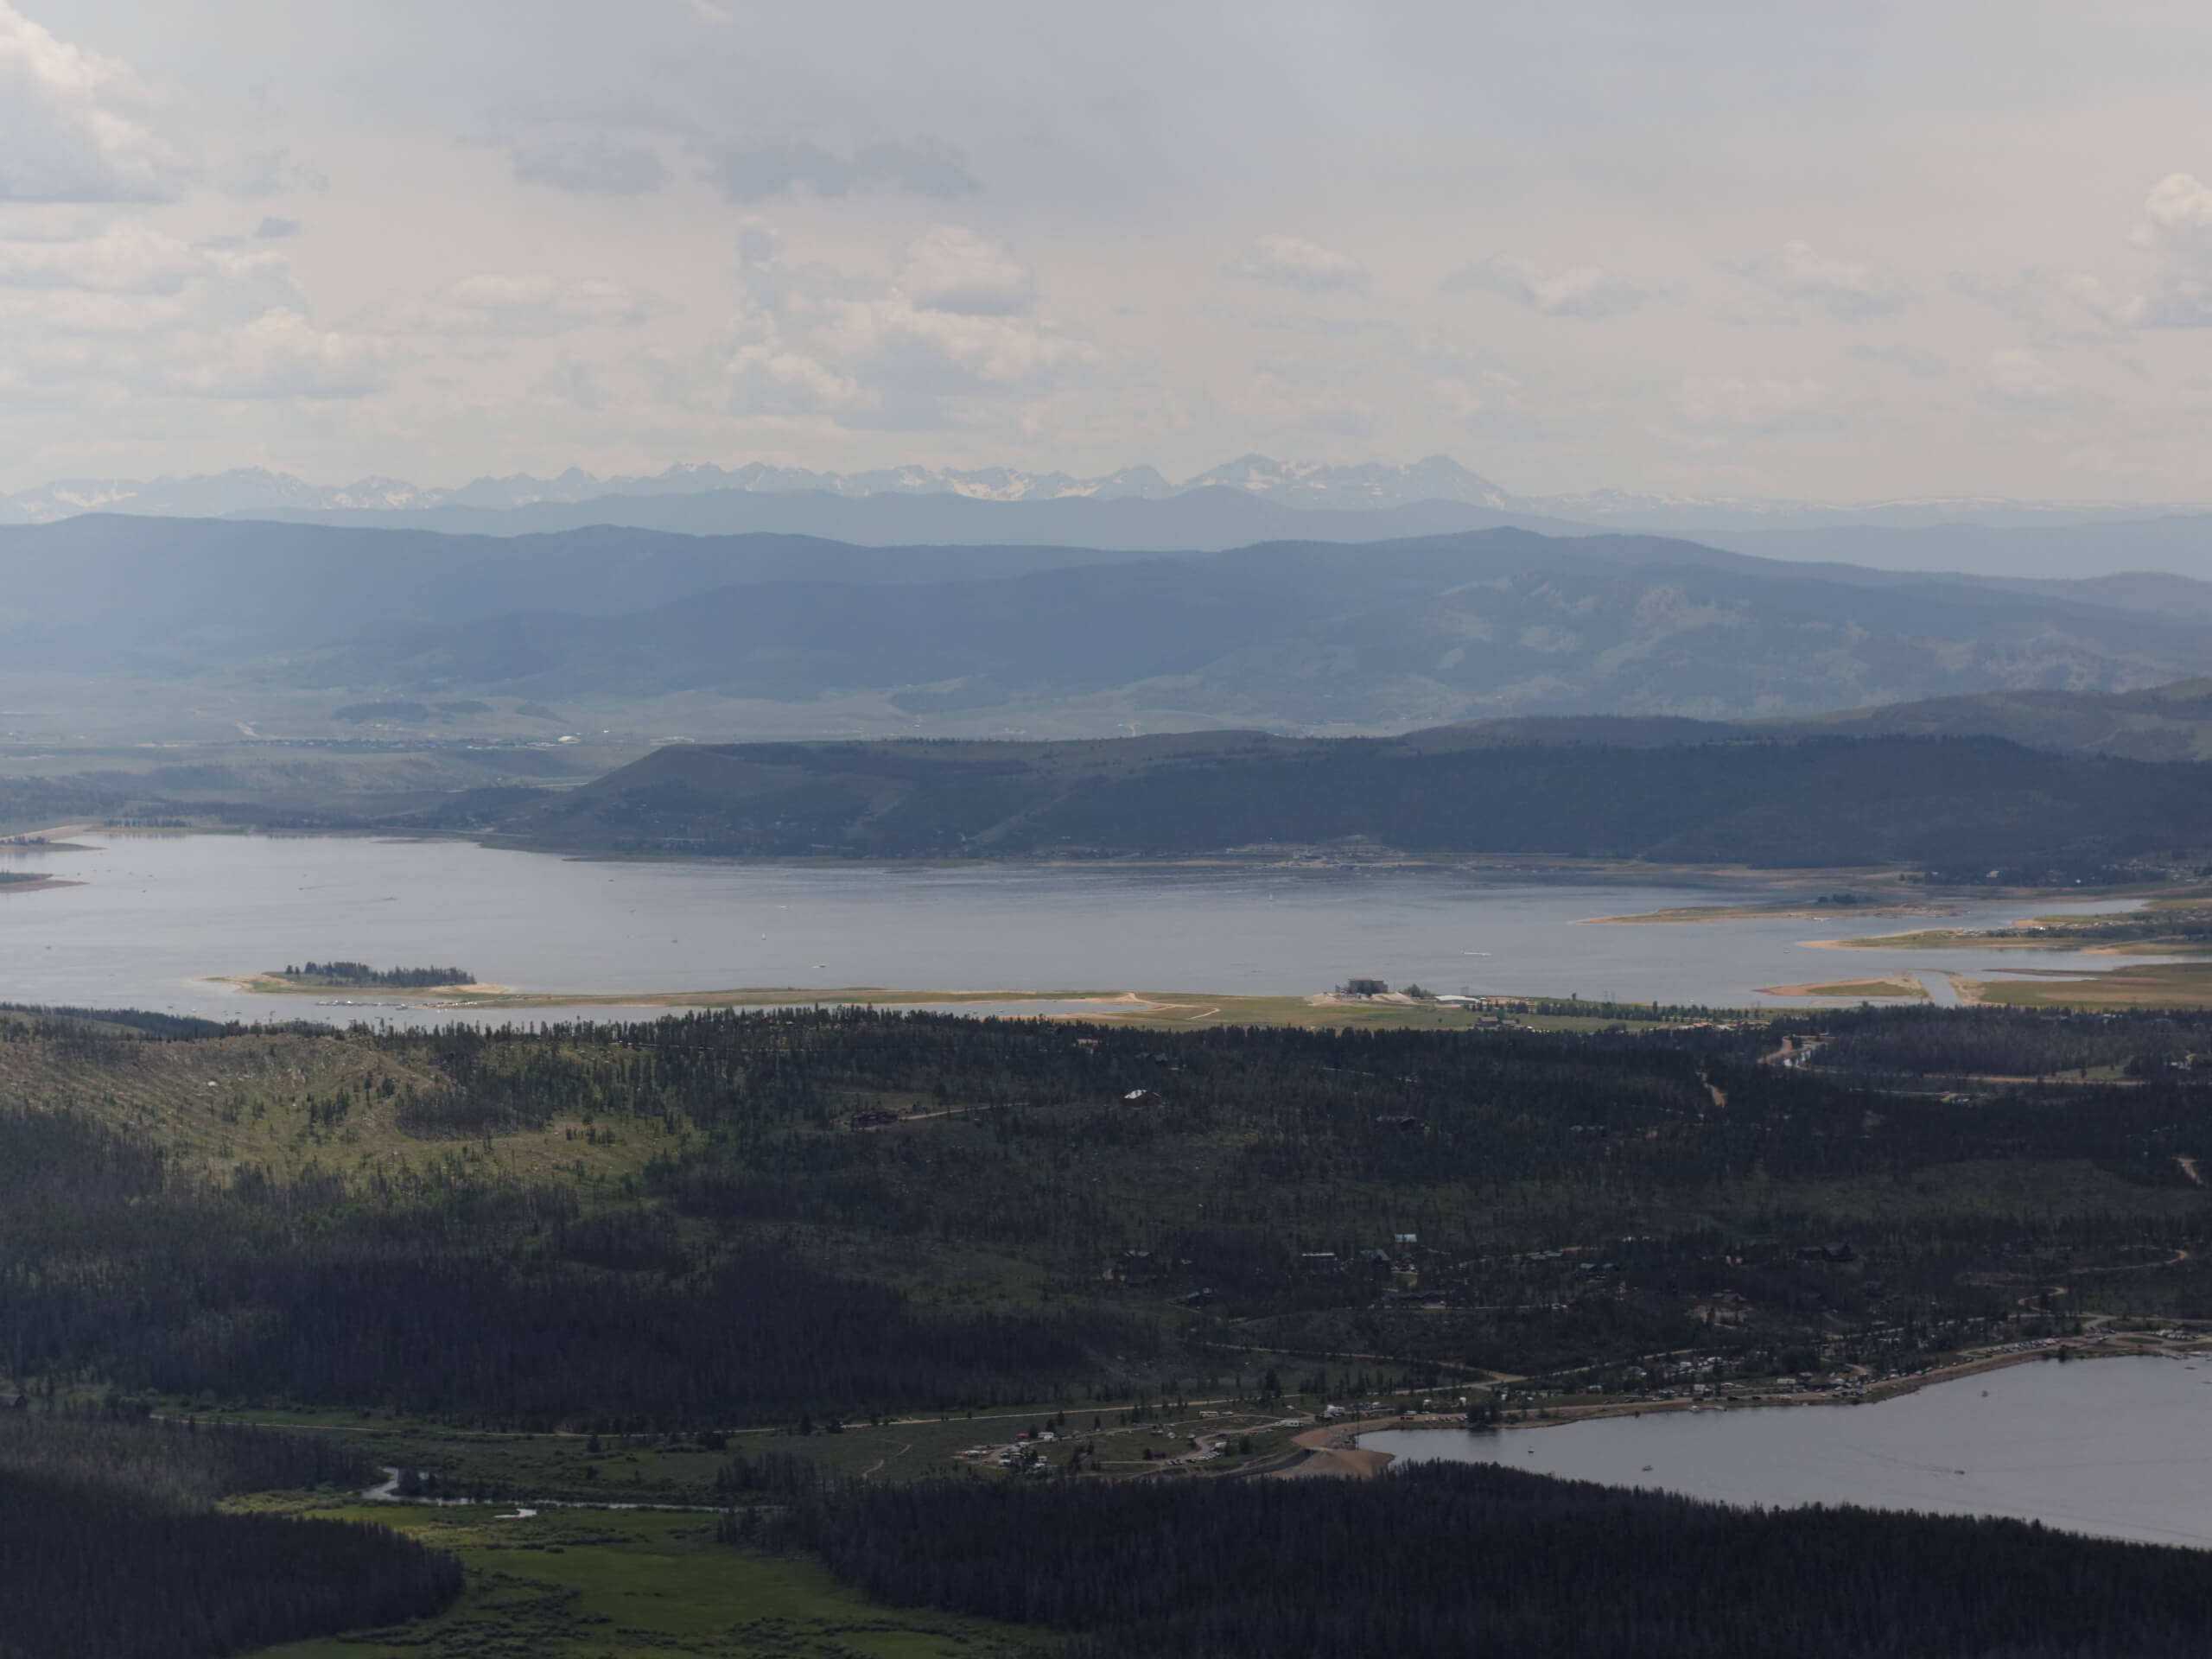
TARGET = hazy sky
x,y
1713,248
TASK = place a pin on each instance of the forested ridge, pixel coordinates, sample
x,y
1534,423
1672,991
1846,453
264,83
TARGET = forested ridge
x,y
661,1230
1967,809
798,1191
1446,1561
111,1546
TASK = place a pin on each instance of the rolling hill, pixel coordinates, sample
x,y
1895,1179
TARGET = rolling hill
x,y
779,635
1302,636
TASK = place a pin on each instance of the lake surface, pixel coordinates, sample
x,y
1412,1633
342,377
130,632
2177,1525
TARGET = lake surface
x,y
155,913
2119,1447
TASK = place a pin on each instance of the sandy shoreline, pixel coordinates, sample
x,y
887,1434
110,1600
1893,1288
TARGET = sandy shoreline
x,y
270,985
476,994
1332,1453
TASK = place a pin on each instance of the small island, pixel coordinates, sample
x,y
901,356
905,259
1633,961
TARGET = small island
x,y
358,976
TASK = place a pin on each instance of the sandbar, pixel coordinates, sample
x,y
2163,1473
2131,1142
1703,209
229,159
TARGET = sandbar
x,y
37,884
1780,911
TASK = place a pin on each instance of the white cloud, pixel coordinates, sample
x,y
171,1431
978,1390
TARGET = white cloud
x,y
2177,229
900,354
756,171
572,382
1275,404
1576,291
2015,375
1486,401
279,354
593,168
1848,288
64,135
952,268
1760,407
130,311
1289,262
261,173
2179,207
501,307
124,259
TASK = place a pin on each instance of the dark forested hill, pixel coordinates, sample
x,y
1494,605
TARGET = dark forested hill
x,y
1438,1562
2162,722
1962,807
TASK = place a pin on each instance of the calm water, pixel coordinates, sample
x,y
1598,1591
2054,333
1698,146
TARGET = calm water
x,y
155,913
2118,1447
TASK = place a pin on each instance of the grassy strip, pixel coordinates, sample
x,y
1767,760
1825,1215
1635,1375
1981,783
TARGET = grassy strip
x,y
1890,987
2161,985
1160,1010
1779,911
615,1584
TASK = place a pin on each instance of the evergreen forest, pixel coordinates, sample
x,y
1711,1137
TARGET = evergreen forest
x,y
791,1266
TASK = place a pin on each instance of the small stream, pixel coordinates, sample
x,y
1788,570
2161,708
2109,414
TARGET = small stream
x,y
387,1491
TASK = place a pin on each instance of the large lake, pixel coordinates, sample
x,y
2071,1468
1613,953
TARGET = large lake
x,y
2118,1447
155,913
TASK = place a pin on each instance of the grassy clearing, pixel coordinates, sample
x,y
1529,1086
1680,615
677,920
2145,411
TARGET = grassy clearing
x,y
2056,1191
287,1104
2101,934
655,1470
2160,985
601,1584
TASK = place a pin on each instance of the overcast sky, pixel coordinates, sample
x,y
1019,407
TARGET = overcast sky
x,y
1705,248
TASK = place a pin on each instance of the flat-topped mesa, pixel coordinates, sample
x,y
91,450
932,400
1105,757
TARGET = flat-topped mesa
x,y
360,975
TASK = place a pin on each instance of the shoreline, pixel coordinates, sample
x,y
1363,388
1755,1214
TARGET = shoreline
x,y
1940,900
1165,1009
1691,914
2078,1349
480,995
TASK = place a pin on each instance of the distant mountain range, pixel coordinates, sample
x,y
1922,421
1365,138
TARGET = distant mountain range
x,y
767,633
1359,488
